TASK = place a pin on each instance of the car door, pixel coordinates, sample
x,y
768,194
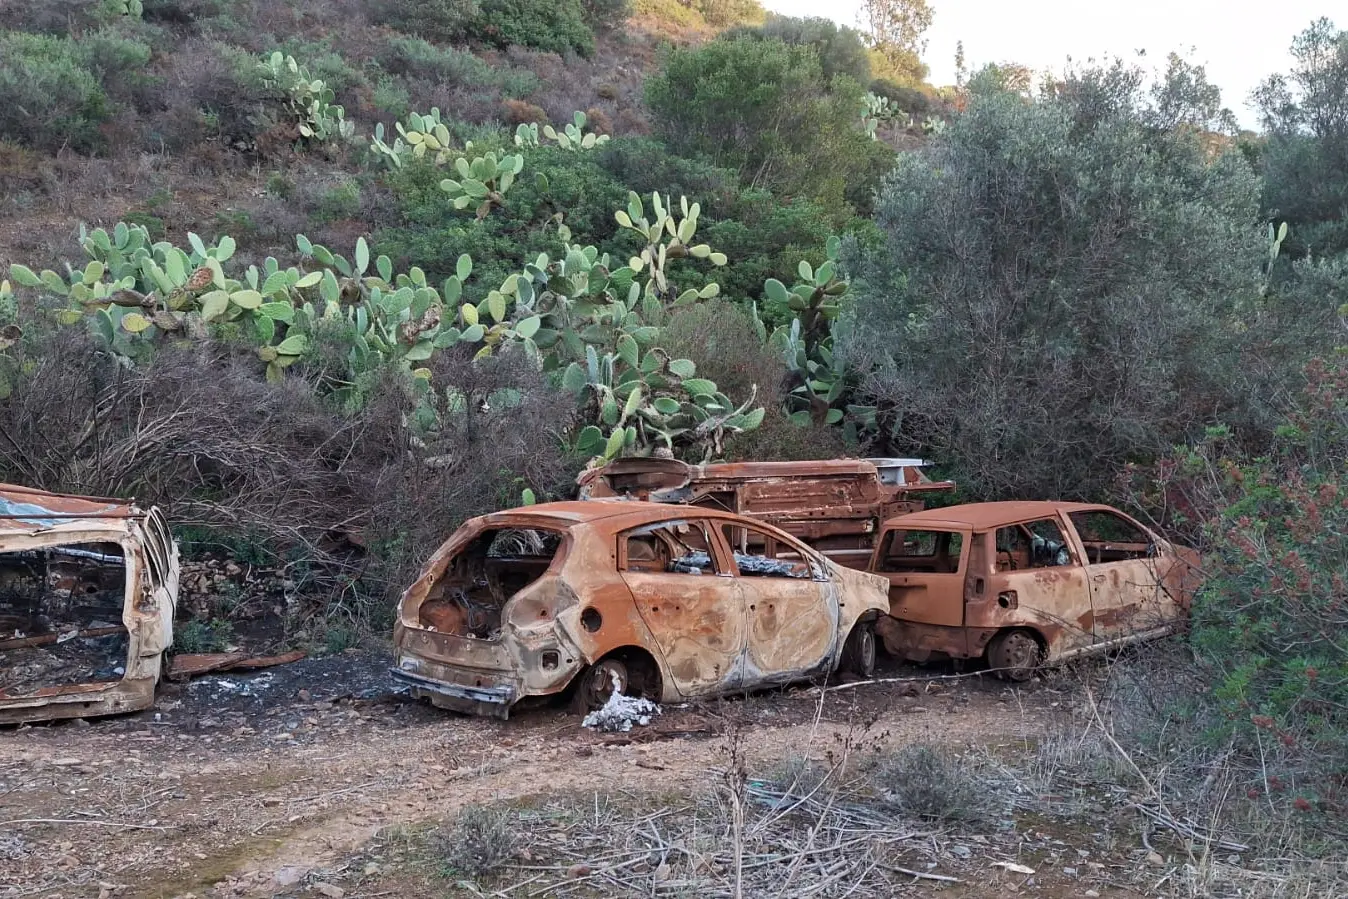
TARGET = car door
x,y
1126,585
790,606
688,600
1041,584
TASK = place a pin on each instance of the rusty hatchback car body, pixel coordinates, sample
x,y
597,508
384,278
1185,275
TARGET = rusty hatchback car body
x,y
665,602
88,589
1027,583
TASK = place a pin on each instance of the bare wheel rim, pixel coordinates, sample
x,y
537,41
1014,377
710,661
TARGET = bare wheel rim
x,y
1019,653
865,659
598,686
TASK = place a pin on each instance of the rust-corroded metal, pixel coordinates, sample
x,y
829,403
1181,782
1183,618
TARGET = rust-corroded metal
x,y
187,665
658,588
835,506
36,522
1079,595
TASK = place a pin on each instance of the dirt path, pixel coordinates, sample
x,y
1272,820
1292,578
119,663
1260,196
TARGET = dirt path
x,y
241,786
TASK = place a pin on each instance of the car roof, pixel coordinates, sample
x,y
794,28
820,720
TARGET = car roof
x,y
980,516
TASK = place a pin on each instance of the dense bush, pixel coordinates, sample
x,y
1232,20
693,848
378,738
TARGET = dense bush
x,y
841,50
435,234
765,109
1273,526
1063,289
59,90
445,21
557,26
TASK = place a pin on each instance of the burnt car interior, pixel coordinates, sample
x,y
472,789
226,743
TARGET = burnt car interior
x,y
1109,538
759,555
922,552
675,547
480,579
61,617
1032,544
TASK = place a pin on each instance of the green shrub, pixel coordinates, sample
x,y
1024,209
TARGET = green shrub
x,y
908,99
765,109
556,26
841,50
1272,524
606,15
52,98
434,234
196,635
437,20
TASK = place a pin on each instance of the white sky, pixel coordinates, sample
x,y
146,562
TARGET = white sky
x,y
1240,43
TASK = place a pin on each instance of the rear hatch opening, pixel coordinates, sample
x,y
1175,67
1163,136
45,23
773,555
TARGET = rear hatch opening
x,y
61,618
468,598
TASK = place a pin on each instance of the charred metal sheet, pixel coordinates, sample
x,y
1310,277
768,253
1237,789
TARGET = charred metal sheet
x,y
523,603
185,665
836,506
88,588
1080,578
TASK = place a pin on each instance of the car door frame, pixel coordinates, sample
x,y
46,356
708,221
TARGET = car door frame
x,y
757,592
682,658
1124,590
1067,625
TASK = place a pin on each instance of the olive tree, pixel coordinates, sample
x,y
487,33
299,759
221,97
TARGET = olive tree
x,y
1064,287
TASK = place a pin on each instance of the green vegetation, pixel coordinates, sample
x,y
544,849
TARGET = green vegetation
x,y
338,255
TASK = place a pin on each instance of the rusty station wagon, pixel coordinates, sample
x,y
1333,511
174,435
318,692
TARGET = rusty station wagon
x,y
653,600
1027,583
87,594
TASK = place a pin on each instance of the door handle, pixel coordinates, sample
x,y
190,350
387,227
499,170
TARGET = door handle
x,y
1099,578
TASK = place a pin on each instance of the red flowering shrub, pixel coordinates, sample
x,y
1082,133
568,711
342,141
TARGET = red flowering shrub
x,y
1270,624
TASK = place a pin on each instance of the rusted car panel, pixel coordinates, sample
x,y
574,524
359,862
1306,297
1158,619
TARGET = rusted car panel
x,y
690,602
1074,578
835,506
88,589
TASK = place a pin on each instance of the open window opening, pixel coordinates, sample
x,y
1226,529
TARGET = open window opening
x,y
922,552
758,554
1111,538
61,617
1034,544
483,576
671,547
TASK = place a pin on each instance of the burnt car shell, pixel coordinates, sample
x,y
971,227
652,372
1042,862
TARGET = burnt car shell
x,y
482,629
59,557
833,505
1074,578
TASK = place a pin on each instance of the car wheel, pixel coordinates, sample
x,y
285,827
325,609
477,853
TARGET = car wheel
x,y
1014,655
859,652
598,682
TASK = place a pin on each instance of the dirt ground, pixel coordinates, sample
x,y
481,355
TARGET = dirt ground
x,y
287,782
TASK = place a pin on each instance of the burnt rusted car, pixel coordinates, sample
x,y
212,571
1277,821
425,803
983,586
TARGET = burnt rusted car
x,y
648,599
1026,584
835,506
87,594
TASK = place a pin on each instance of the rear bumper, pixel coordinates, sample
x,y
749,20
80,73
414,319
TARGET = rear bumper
x,y
488,700
82,701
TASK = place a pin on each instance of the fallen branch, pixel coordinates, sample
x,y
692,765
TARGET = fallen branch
x,y
922,874
44,639
17,821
